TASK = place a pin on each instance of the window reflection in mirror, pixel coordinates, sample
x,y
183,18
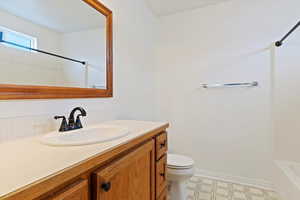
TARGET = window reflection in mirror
x,y
71,33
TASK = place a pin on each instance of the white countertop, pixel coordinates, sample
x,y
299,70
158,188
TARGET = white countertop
x,y
24,162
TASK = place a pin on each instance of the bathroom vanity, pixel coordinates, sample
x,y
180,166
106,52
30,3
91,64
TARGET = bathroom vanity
x,y
130,168
61,65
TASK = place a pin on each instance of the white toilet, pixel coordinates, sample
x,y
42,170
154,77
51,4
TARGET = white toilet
x,y
179,170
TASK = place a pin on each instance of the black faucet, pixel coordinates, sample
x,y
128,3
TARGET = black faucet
x,y
73,124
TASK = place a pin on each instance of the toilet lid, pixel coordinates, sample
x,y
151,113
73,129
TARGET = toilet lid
x,y
179,161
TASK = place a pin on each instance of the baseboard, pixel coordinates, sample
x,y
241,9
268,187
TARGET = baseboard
x,y
235,179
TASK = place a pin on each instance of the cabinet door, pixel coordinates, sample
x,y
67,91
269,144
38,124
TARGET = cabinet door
x,y
129,178
164,195
75,191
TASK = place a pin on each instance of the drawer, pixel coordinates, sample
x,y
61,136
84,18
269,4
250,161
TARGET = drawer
x,y
161,145
163,195
161,175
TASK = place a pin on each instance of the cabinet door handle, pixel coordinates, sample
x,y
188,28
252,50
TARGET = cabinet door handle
x,y
162,175
162,145
106,186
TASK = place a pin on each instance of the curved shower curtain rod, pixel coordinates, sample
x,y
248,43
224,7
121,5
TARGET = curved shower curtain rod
x,y
280,42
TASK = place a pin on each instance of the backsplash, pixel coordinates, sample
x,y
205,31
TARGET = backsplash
x,y
15,128
21,127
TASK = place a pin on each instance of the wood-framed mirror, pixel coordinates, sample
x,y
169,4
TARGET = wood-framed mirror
x,y
55,49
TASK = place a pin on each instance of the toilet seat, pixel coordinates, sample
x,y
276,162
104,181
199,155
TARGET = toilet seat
x,y
179,162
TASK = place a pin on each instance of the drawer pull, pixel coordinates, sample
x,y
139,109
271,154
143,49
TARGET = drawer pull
x,y
162,175
106,186
162,145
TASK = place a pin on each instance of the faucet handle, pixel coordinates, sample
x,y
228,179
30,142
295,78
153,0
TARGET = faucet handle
x,y
78,123
64,125
59,117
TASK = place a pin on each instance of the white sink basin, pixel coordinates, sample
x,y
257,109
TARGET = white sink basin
x,y
85,136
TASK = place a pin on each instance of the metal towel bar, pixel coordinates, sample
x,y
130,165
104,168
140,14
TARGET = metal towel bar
x,y
252,84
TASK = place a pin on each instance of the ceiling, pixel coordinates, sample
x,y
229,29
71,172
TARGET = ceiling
x,y
167,7
60,15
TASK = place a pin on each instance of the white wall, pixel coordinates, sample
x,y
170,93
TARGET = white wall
x,y
28,68
226,131
24,65
48,39
287,100
134,29
87,45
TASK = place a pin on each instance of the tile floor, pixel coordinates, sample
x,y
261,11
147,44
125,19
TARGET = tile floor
x,y
209,189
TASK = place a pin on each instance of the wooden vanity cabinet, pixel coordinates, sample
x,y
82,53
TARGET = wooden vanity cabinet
x,y
140,175
163,195
161,148
79,190
161,175
161,145
130,178
133,171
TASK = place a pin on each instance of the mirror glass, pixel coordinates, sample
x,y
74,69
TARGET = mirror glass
x,y
52,43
